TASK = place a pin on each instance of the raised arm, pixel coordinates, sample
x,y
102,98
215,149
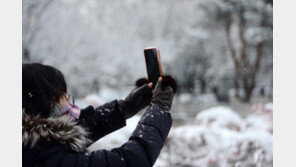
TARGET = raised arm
x,y
143,147
145,144
102,120
111,116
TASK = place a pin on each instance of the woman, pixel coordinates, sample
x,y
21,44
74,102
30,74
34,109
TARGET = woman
x,y
57,133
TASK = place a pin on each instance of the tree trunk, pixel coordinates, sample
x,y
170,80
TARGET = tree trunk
x,y
203,86
245,72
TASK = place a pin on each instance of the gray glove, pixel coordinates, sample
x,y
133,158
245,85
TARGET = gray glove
x,y
138,99
163,96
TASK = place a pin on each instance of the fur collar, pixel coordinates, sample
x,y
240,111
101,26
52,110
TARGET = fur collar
x,y
60,129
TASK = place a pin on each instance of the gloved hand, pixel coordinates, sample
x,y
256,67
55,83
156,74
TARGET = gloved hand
x,y
138,99
164,92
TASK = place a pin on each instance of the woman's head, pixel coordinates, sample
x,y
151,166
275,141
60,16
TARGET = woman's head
x,y
42,87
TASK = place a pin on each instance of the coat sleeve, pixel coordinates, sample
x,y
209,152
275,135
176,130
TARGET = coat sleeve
x,y
102,120
141,150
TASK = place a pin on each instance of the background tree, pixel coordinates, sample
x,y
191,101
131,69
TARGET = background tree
x,y
248,30
196,39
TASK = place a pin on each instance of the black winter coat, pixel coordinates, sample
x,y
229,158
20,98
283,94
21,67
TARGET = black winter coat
x,y
59,142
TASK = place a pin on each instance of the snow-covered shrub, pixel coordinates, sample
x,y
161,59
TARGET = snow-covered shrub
x,y
188,145
251,148
219,117
220,138
261,118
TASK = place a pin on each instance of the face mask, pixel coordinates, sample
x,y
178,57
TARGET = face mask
x,y
72,110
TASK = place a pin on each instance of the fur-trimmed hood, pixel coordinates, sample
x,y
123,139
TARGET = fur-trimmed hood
x,y
60,129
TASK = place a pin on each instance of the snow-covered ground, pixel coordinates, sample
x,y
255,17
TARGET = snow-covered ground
x,y
217,137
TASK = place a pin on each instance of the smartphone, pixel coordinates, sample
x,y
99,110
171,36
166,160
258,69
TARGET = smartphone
x,y
153,64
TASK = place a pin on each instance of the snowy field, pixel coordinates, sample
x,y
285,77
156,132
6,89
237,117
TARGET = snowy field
x,y
218,136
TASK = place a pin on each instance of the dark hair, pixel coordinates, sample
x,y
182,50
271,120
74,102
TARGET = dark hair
x,y
42,86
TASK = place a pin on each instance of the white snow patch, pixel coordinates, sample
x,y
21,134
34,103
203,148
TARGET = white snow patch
x,y
94,100
117,138
219,117
109,94
185,97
